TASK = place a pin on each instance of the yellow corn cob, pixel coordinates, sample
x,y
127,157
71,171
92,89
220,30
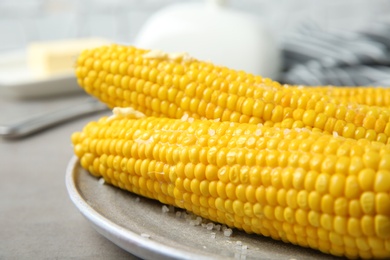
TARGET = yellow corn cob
x,y
372,96
161,84
299,186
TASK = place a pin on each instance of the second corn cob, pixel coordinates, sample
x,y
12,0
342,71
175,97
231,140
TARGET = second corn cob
x,y
161,84
302,187
365,95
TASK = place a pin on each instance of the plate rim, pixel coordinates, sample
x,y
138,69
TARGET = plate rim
x,y
122,237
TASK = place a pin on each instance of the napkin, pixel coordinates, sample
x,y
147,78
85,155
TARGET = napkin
x,y
317,56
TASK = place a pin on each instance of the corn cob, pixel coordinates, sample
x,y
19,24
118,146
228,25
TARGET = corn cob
x,y
371,96
160,84
302,187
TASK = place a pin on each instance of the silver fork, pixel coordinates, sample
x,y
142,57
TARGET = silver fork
x,y
44,121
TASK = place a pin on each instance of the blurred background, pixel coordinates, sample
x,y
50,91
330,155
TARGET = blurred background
x,y
23,21
337,42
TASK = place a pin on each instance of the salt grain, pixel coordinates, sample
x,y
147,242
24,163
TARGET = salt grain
x,y
165,209
227,232
198,221
217,227
195,222
210,226
178,214
213,235
102,181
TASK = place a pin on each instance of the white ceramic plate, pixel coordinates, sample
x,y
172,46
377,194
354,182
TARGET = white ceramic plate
x,y
126,219
17,80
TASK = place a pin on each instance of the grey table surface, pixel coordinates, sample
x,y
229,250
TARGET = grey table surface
x,y
37,218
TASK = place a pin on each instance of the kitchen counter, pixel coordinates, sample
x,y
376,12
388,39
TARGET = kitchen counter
x,y
37,218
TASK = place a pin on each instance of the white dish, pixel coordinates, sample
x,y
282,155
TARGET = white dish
x,y
125,219
17,80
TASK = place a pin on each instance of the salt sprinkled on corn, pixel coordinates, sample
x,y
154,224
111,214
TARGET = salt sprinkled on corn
x,y
128,112
184,117
155,54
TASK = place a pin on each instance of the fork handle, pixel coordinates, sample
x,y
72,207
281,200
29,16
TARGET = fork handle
x,y
47,120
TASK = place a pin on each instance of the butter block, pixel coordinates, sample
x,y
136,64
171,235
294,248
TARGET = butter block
x,y
58,57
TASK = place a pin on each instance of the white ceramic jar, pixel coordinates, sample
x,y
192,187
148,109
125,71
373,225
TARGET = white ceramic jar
x,y
213,32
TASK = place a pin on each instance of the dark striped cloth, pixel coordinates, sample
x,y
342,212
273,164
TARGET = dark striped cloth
x,y
314,56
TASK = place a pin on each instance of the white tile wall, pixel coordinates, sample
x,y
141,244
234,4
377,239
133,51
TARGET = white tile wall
x,y
23,21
